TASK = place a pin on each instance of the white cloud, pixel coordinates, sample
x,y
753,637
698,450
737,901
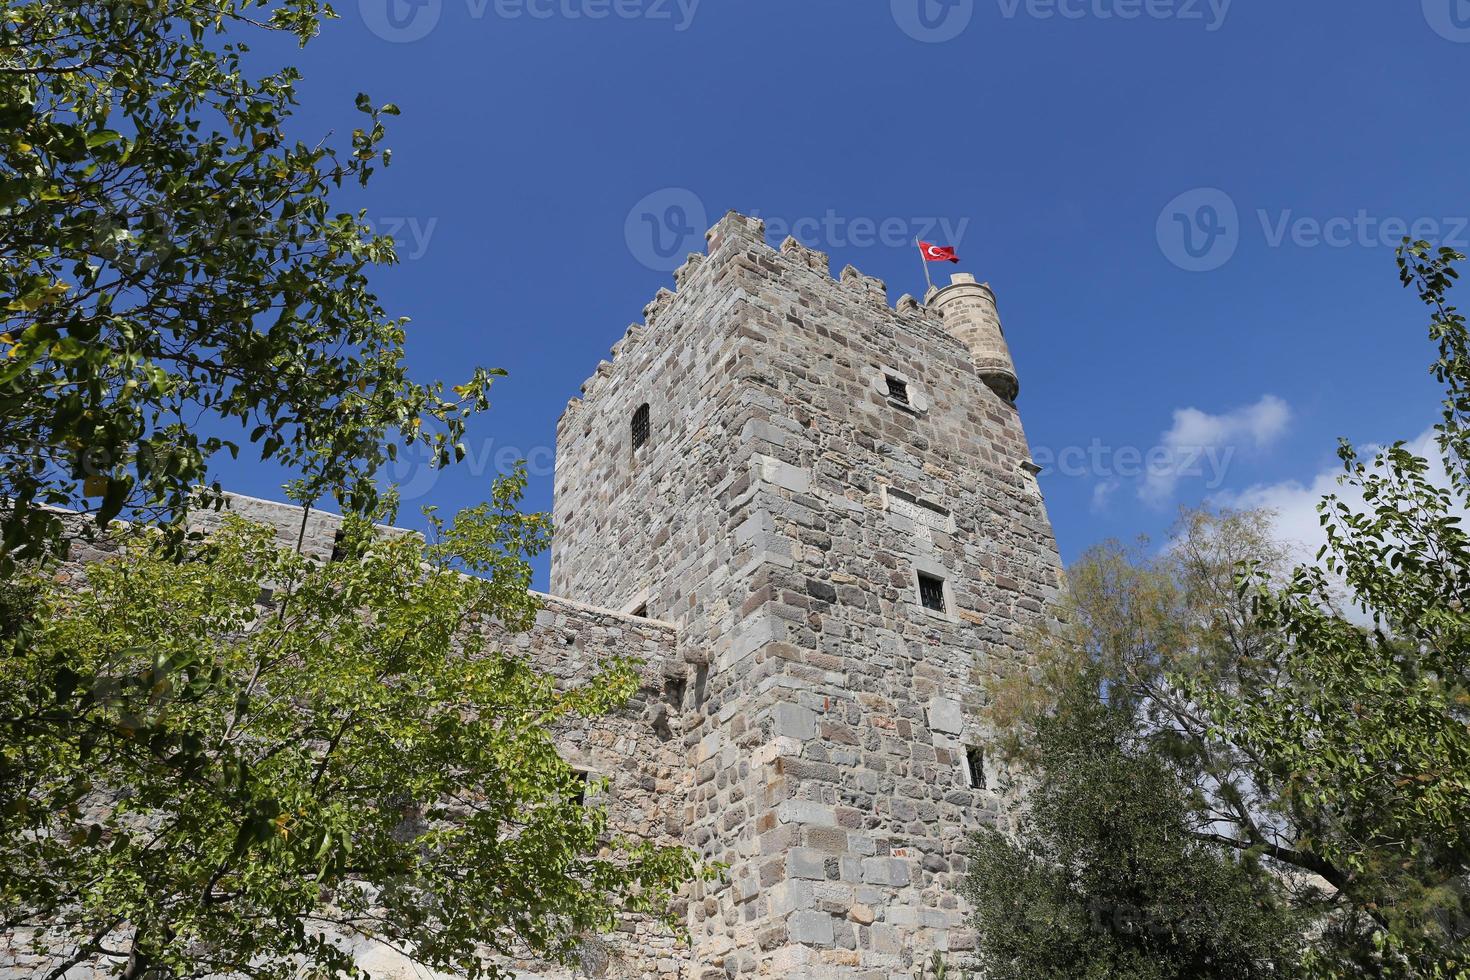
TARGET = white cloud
x,y
1296,521
1198,436
1102,495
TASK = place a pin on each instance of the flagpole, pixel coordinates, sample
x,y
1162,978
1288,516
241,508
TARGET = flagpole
x,y
924,260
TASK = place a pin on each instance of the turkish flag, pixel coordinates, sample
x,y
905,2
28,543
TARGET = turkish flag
x,y
938,253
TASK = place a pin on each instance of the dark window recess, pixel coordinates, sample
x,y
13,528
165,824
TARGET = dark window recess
x,y
581,794
661,726
674,688
339,550
640,427
642,611
898,390
931,592
975,766
266,597
701,683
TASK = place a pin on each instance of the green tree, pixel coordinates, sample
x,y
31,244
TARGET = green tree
x,y
203,778
169,257
1365,748
1112,867
1317,717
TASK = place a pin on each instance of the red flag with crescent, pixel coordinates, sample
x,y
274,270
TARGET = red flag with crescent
x,y
938,253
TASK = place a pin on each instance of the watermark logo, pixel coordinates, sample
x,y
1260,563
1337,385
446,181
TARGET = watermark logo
x,y
1210,13
667,225
838,231
1449,18
933,21
416,470
664,227
678,13
401,21
410,236
1199,230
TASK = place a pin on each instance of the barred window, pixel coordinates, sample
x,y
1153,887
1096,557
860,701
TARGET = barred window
x,y
931,592
975,766
898,390
640,427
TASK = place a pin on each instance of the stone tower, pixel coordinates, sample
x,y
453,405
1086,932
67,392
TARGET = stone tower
x,y
831,502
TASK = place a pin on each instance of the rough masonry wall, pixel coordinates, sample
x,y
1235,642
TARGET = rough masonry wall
x,y
780,517
635,749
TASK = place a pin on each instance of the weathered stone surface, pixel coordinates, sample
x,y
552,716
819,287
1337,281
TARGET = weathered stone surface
x,y
780,518
804,716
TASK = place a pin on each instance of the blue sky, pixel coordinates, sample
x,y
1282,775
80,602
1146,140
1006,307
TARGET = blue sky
x,y
1186,207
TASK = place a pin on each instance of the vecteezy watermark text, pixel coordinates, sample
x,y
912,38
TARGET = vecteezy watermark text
x,y
1201,230
143,238
416,471
1097,460
403,21
936,21
833,230
665,226
1211,14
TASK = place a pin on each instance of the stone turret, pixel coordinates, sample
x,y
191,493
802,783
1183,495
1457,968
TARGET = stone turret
x,y
968,310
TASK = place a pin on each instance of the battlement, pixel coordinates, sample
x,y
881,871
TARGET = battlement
x,y
735,234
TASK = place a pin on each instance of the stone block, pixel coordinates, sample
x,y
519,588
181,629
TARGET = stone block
x,y
885,871
946,715
810,927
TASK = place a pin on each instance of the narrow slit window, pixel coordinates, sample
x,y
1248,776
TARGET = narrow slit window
x,y
931,592
898,390
640,427
583,780
975,766
339,549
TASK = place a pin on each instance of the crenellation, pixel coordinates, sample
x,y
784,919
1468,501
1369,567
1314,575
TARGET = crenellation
x,y
817,261
656,306
686,271
734,227
875,290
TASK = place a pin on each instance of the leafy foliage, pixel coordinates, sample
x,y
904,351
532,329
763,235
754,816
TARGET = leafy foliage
x,y
1107,879
1114,866
1315,719
168,257
1367,747
202,778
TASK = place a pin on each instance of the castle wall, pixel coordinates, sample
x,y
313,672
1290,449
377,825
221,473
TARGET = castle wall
x,y
636,749
781,516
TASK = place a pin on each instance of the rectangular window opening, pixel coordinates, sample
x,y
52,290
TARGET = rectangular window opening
x,y
898,390
640,427
931,592
583,779
975,766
